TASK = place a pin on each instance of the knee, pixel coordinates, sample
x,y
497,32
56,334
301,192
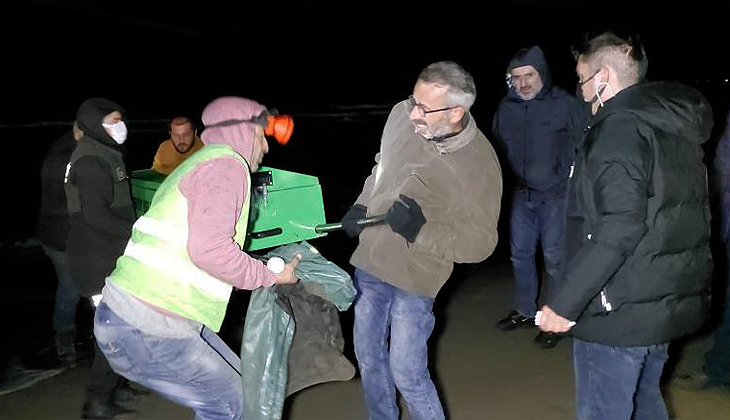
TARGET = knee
x,y
523,256
408,376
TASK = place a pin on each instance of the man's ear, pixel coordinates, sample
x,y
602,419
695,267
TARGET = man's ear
x,y
457,114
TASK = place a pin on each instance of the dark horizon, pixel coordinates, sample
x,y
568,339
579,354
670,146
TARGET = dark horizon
x,y
162,56
336,67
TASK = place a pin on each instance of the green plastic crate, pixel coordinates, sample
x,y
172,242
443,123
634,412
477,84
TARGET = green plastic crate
x,y
285,205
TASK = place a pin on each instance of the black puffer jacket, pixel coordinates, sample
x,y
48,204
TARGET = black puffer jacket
x,y
637,234
99,200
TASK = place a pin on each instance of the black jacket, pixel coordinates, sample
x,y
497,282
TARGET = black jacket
x,y
637,234
536,139
52,226
101,212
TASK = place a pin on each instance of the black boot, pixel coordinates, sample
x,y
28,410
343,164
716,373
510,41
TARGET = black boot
x,y
97,410
515,320
124,393
547,340
66,347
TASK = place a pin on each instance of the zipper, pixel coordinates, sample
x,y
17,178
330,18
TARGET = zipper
x,y
604,301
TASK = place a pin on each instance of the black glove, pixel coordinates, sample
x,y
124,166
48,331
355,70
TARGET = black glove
x,y
406,219
349,220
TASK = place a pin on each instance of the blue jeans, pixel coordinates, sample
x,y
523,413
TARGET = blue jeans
x,y
198,372
616,383
530,222
67,298
382,310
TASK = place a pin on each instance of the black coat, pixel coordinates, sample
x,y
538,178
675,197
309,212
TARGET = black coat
x,y
52,226
637,234
101,211
537,139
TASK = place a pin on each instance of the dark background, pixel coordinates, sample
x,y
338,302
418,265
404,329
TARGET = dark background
x,y
336,67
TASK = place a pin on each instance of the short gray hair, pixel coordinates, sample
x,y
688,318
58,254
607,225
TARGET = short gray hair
x,y
461,88
625,54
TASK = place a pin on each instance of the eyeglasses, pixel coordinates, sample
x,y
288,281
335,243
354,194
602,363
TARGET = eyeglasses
x,y
589,79
413,104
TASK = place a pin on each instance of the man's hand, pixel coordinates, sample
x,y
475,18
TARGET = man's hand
x,y
405,218
287,275
552,322
349,221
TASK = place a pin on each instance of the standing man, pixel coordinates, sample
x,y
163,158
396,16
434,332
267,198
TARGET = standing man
x,y
439,181
166,299
638,262
715,368
100,223
537,128
52,231
183,142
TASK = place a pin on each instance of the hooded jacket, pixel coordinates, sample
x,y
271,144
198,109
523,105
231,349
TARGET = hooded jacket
x,y
215,191
537,139
457,183
99,200
637,232
52,226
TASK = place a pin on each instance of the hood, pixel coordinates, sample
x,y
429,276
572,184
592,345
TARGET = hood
x,y
239,136
90,115
531,56
671,107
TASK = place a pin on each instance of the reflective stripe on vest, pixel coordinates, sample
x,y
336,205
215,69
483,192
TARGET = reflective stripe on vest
x,y
161,230
156,267
164,261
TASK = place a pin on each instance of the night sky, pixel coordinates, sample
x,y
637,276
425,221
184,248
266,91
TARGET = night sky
x,y
158,55
317,61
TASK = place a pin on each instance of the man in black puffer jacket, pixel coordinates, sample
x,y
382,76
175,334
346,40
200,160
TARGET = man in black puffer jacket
x,y
637,232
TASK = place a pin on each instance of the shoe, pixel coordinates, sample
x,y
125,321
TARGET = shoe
x,y
97,410
515,320
126,393
65,347
547,340
692,381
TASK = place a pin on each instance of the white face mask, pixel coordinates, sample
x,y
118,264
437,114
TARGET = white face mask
x,y
117,131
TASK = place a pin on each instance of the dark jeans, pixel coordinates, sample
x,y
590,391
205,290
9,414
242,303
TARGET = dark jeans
x,y
530,222
614,383
383,311
102,380
67,298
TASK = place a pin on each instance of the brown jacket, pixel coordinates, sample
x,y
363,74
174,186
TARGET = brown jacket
x,y
457,183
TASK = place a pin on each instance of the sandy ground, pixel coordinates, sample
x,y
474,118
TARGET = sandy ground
x,y
482,373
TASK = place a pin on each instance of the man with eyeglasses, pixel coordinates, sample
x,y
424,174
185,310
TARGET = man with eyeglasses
x,y
537,127
637,232
438,180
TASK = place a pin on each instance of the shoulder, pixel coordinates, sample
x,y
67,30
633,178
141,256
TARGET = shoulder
x,y
618,137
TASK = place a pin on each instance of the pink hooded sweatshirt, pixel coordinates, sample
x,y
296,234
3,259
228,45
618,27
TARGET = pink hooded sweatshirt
x,y
215,192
